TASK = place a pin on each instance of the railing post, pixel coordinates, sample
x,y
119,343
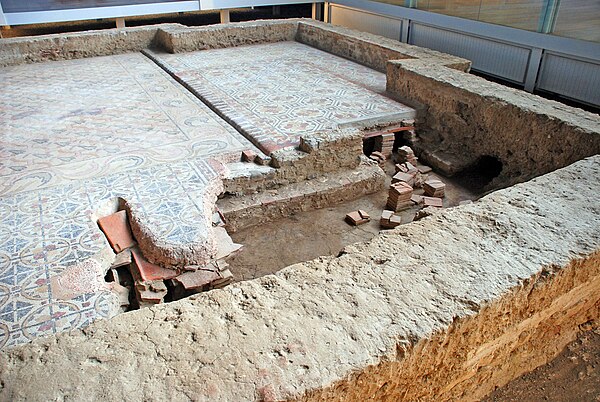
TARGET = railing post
x,y
224,16
405,30
316,11
2,17
533,67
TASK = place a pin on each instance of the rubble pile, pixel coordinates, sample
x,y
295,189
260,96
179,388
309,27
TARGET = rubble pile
x,y
406,154
140,283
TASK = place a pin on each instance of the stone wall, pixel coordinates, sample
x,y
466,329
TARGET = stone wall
x,y
187,39
76,45
444,308
370,50
462,117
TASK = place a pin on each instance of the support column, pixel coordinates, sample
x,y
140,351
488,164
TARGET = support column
x,y
316,12
276,10
2,17
404,32
326,16
224,16
120,22
533,67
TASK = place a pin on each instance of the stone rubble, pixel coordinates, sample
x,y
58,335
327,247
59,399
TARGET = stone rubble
x,y
153,284
406,154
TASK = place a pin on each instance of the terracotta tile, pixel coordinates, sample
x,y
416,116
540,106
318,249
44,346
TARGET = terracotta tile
x,y
248,156
433,202
117,231
144,270
355,218
196,280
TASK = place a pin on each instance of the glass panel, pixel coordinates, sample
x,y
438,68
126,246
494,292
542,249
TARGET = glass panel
x,y
578,19
523,14
457,8
18,6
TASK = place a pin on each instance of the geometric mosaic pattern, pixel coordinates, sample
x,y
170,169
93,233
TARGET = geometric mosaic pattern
x,y
74,134
70,120
277,92
43,232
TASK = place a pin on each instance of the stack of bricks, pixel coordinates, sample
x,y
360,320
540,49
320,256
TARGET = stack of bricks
x,y
434,188
399,196
377,157
408,173
387,143
406,154
389,220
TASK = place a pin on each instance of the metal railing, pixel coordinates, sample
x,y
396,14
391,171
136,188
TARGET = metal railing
x,y
536,61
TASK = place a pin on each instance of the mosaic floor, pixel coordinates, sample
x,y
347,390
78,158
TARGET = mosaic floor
x,y
277,92
79,119
74,134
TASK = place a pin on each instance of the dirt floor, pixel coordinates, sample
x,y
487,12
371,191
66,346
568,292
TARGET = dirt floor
x,y
572,376
267,248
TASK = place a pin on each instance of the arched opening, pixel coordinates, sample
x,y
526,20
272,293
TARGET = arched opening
x,y
478,175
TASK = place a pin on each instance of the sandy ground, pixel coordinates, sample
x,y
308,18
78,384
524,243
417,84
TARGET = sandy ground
x,y
572,376
308,235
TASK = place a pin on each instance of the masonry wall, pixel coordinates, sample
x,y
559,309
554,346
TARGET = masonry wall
x,y
451,305
187,39
462,117
370,50
76,45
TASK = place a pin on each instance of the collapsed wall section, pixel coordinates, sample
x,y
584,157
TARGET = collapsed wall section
x,y
419,311
462,117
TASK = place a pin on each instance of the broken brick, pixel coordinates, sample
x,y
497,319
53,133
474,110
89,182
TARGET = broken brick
x,y
121,259
433,202
355,218
143,270
117,231
248,156
196,280
364,214
404,177
387,214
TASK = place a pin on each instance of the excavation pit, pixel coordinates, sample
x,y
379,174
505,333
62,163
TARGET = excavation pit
x,y
447,307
